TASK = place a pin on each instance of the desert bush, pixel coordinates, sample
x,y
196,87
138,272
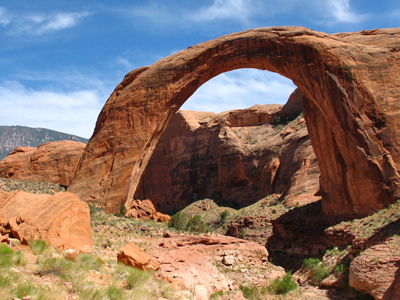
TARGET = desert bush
x,y
252,292
319,274
223,216
178,221
39,246
317,270
88,262
197,225
20,259
283,285
310,263
6,256
136,278
339,269
114,293
216,295
55,265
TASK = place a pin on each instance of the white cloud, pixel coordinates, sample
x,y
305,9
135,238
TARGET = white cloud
x,y
240,89
60,21
224,9
342,12
4,18
71,112
38,24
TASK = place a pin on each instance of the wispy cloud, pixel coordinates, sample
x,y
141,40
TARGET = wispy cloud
x,y
39,23
342,12
71,112
240,89
222,10
4,17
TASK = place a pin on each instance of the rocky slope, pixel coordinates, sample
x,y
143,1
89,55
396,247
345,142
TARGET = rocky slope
x,y
235,158
12,137
51,162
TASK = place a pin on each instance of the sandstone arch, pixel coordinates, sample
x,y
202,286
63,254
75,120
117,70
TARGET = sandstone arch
x,y
350,84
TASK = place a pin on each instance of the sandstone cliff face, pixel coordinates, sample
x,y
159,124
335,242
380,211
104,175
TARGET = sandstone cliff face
x,y
51,162
62,219
235,158
350,84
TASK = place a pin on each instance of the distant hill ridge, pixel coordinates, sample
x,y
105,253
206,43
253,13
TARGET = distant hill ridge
x,y
22,136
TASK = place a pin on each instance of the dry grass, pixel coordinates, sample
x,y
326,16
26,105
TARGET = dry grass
x,y
10,185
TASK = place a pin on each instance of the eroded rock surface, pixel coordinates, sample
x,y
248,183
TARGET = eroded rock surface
x,y
189,262
145,210
51,162
376,271
62,220
350,86
236,158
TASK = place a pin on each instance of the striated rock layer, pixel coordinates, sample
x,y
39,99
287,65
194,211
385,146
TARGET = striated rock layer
x,y
62,219
376,271
235,158
51,162
350,85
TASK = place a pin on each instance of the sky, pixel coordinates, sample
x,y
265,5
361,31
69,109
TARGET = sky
x,y
61,59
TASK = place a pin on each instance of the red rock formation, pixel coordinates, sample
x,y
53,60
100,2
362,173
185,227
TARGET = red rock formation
x,y
51,162
232,157
376,271
62,219
145,210
189,261
350,84
133,256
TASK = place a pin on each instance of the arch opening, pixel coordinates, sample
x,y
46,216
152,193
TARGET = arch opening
x,y
358,169
238,156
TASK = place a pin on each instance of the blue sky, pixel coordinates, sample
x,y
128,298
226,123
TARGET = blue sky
x,y
60,60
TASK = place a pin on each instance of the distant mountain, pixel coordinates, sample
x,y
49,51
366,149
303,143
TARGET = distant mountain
x,y
21,136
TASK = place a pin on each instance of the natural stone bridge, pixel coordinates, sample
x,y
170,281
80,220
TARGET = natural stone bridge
x,y
350,84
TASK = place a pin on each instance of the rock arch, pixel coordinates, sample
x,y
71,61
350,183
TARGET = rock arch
x,y
349,82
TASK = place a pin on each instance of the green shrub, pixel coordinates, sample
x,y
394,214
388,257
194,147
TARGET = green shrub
x,y
114,293
223,215
319,274
283,285
39,246
197,225
89,262
216,295
339,269
178,221
310,263
55,265
136,278
252,292
6,256
20,259
5,282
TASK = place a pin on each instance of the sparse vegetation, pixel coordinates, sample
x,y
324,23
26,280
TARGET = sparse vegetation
x,y
253,292
10,185
178,221
283,285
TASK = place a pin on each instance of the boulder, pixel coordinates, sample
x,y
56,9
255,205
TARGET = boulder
x,y
51,162
350,86
145,210
133,256
376,271
62,220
